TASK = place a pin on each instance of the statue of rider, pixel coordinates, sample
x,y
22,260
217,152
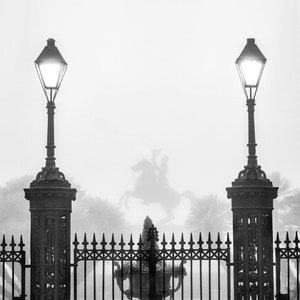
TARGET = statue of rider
x,y
161,170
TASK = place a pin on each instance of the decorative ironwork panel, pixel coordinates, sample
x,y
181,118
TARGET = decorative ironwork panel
x,y
253,254
12,269
50,253
152,270
287,268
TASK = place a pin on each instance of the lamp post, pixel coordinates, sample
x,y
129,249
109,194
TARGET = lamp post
x,y
50,196
252,195
51,68
250,65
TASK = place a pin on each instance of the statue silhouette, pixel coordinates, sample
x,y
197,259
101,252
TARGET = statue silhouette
x,y
152,186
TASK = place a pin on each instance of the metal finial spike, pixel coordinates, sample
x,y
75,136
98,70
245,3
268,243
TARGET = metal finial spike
x,y
218,242
209,241
85,242
131,243
228,242
112,242
182,242
21,245
75,243
164,243
277,241
140,242
173,243
3,244
122,242
103,242
191,239
12,244
287,239
200,241
296,241
94,242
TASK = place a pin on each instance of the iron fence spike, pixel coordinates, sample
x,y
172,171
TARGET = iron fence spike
x,y
94,242
21,244
112,242
287,240
218,242
296,241
75,243
103,242
122,242
228,242
164,242
131,243
140,242
12,244
209,241
85,242
182,242
191,242
3,244
200,241
173,243
277,241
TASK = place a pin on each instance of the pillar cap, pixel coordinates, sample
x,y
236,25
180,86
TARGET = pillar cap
x,y
252,174
50,176
255,192
50,193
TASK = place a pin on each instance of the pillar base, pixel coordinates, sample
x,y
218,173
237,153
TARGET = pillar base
x,y
50,200
252,197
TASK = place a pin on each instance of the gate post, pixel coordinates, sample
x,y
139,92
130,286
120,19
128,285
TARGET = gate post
x,y
252,206
50,197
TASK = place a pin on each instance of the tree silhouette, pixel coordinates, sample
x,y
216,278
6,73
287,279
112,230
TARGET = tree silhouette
x,y
209,214
96,215
286,205
90,214
14,214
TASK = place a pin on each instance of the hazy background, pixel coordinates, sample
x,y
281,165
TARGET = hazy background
x,y
145,75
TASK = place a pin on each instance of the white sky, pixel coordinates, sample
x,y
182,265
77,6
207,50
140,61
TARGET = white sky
x,y
146,75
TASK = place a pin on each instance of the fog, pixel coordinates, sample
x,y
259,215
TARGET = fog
x,y
150,77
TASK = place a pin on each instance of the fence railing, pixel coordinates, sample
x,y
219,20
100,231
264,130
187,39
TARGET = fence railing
x,y
12,269
151,270
287,268
182,269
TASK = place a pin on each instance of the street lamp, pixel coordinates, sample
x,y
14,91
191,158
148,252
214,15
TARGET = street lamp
x,y
252,195
51,68
50,196
250,65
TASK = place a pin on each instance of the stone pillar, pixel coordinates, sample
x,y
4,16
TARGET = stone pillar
x,y
252,197
50,197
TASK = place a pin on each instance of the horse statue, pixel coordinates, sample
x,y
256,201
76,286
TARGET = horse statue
x,y
152,186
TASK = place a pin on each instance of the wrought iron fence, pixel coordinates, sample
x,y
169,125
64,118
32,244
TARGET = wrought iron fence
x,y
287,268
151,270
12,269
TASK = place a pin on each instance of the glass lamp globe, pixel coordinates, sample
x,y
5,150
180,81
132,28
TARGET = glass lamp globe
x,y
250,65
51,68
